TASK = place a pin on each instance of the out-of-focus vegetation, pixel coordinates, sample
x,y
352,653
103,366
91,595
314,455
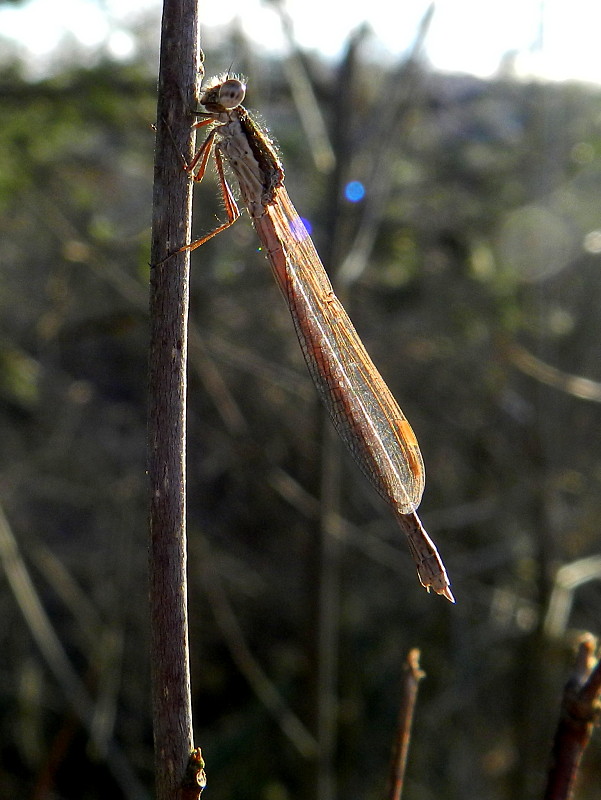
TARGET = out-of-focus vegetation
x,y
481,307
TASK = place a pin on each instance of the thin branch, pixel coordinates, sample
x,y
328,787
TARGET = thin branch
x,y
568,579
574,385
412,676
104,642
179,70
54,654
328,557
244,659
328,618
394,104
308,108
580,712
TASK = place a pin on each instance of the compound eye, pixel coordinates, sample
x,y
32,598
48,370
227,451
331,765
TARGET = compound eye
x,y
231,93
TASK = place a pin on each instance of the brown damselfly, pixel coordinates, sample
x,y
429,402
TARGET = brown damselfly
x,y
361,406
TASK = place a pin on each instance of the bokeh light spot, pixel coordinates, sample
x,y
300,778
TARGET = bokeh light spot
x,y
354,191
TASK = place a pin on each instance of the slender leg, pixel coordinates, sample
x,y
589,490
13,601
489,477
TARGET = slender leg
x,y
202,155
200,160
231,207
198,155
203,152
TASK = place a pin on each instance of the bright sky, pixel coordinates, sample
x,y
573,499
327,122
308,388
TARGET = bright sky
x,y
555,39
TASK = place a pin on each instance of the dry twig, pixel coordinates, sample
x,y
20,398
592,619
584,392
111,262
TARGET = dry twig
x,y
580,712
172,204
412,676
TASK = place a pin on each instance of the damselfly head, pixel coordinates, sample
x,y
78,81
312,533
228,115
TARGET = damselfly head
x,y
223,95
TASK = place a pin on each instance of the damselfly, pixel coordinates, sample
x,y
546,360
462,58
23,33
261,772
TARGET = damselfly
x,y
360,404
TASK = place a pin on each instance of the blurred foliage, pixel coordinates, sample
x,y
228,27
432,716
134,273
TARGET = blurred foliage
x,y
486,260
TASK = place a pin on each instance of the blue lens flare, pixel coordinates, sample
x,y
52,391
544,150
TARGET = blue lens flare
x,y
354,191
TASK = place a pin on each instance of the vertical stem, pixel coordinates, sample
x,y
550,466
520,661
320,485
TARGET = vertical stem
x,y
579,715
328,614
411,678
172,714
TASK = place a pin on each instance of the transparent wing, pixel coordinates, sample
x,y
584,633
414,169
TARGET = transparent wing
x,y
361,406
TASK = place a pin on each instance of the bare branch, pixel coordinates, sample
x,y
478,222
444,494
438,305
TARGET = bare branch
x,y
54,654
412,676
575,385
177,98
244,659
580,712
